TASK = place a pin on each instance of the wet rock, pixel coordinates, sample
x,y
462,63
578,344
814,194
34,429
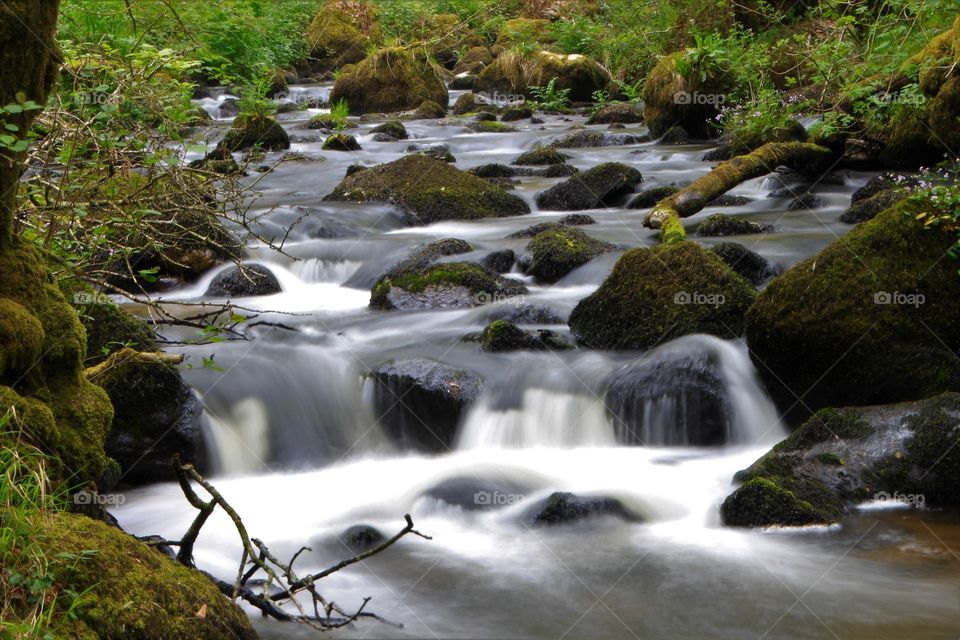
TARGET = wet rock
x,y
728,200
721,224
490,126
237,282
525,314
568,508
439,152
326,122
472,103
228,108
880,193
432,399
576,220
838,457
341,142
512,114
463,81
361,537
499,261
502,335
383,137
477,494
255,132
428,191
675,135
685,386
487,171
514,73
600,186
393,128
588,138
155,417
556,252
355,168
650,197
754,268
389,80
617,113
805,202
655,295
541,156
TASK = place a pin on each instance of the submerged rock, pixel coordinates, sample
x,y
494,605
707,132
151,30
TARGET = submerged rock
x,y
249,280
601,185
473,493
502,335
568,508
428,191
362,537
721,224
557,252
525,314
655,295
499,261
587,139
422,401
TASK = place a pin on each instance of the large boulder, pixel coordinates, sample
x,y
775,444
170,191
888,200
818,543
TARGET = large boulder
x,y
689,101
908,452
655,295
669,400
872,318
514,73
155,417
335,40
602,185
557,252
421,402
428,191
617,113
392,79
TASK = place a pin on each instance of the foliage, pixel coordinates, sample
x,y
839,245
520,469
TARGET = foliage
x,y
254,102
760,119
339,111
937,198
707,59
549,98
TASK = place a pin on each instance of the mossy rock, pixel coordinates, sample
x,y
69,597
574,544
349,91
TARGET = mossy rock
x,y
602,185
260,132
429,110
650,197
488,126
341,142
473,103
438,151
129,589
512,114
472,63
389,80
754,268
428,191
577,139
762,502
326,121
523,31
514,73
849,309
393,128
670,99
557,252
65,415
721,224
541,156
334,41
501,335
617,113
442,285
656,295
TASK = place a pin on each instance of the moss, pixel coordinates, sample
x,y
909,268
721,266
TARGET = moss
x,y
130,590
429,190
743,141
21,339
262,132
762,502
827,424
541,156
341,142
391,79
515,73
665,106
523,31
471,103
602,185
556,252
721,224
501,335
327,121
445,275
334,40
934,450
837,309
429,110
53,384
393,128
655,295
672,231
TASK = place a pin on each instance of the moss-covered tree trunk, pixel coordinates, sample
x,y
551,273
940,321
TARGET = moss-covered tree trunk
x,y
29,61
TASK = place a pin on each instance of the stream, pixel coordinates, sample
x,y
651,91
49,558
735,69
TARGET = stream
x,y
298,447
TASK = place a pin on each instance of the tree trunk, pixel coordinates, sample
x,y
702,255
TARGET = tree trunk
x,y
806,158
29,63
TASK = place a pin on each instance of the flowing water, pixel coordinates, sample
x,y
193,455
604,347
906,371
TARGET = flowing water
x,y
300,451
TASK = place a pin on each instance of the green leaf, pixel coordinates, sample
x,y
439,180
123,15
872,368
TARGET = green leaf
x,y
11,127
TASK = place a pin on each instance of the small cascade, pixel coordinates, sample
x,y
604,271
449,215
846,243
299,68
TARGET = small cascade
x,y
697,390
319,270
239,440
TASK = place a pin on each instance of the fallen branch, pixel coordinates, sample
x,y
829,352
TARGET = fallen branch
x,y
279,574
128,355
800,156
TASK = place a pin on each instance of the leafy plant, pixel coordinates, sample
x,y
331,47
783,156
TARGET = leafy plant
x,y
339,111
549,98
254,102
937,199
708,58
